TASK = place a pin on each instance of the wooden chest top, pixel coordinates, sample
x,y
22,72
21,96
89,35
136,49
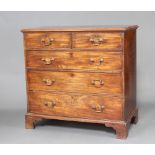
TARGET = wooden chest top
x,y
82,28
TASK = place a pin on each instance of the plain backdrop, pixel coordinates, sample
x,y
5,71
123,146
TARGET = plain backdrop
x,y
12,80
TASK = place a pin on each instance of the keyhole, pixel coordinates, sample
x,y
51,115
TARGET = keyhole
x,y
71,55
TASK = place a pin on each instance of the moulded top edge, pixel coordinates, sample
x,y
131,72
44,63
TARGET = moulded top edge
x,y
82,28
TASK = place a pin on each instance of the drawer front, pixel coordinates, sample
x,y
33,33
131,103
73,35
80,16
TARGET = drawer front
x,y
47,40
73,105
102,40
75,82
74,60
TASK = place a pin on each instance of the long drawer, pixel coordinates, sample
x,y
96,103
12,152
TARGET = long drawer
x,y
103,61
75,82
74,105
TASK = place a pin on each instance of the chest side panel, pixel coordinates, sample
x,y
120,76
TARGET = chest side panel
x,y
129,72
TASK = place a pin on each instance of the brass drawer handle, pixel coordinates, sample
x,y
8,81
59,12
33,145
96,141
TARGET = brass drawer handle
x,y
96,40
99,62
97,83
49,104
98,108
46,41
48,61
92,60
48,82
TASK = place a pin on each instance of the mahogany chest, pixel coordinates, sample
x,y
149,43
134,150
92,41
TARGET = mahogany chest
x,y
85,74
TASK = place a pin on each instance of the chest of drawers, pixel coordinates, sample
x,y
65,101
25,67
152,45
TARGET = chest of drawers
x,y
85,74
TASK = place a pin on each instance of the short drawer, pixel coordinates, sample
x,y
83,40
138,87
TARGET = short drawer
x,y
103,61
75,105
75,82
98,40
50,40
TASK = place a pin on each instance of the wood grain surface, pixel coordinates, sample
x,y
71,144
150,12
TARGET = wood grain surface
x,y
112,41
103,61
74,105
76,82
42,40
